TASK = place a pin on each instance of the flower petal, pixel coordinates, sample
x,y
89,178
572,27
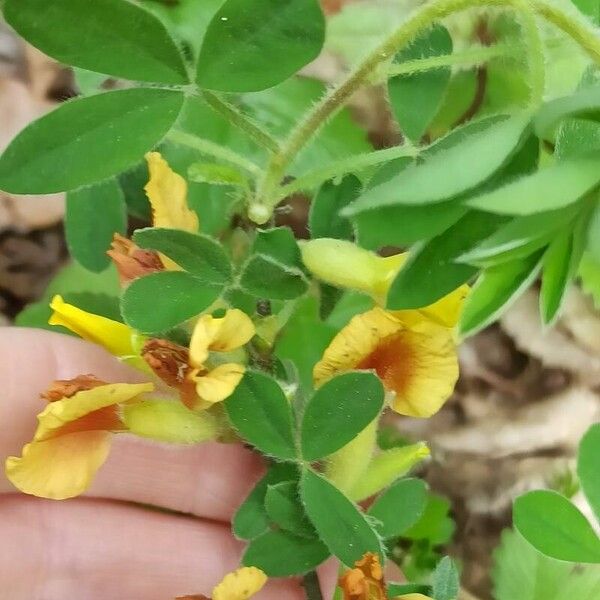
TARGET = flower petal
x,y
218,384
167,192
419,366
240,585
112,335
355,342
220,334
61,467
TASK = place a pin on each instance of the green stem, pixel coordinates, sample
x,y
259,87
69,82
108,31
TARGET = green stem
x,y
241,121
581,30
536,57
315,178
311,585
467,58
261,210
211,149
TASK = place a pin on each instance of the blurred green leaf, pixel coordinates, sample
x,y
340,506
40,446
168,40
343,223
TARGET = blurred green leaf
x,y
93,215
107,36
522,573
445,581
245,35
262,414
283,505
587,467
496,289
87,140
415,99
434,525
555,527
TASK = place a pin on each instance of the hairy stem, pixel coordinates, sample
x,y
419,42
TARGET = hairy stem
x,y
211,149
243,122
312,588
467,58
315,178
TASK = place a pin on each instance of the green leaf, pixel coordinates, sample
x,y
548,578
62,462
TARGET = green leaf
x,y
401,589
585,103
431,270
132,183
200,255
324,219
338,521
87,140
399,507
404,225
245,36
416,98
304,339
522,573
274,270
587,467
281,554
262,414
445,580
519,238
284,508
577,137
590,8
163,300
352,400
93,216
251,519
106,36
551,188
496,289
555,527
442,175
434,525
217,174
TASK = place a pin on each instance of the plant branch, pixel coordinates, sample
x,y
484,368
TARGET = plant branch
x,y
316,177
241,121
467,58
211,149
312,588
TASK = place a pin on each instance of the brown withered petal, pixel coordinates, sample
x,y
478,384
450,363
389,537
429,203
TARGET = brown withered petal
x,y
170,362
66,388
365,580
131,260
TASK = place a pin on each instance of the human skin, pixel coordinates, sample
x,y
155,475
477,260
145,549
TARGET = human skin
x,y
106,545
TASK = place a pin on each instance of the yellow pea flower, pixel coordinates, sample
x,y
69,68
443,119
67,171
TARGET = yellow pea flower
x,y
167,192
223,334
111,335
412,351
72,439
239,585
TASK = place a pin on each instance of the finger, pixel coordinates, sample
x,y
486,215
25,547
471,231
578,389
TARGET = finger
x,y
100,550
209,480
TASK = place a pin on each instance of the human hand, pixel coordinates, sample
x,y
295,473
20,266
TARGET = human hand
x,y
112,544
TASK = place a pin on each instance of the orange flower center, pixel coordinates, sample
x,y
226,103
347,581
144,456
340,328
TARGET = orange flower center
x,y
393,361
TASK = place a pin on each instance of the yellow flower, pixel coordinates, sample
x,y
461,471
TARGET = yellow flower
x,y
72,439
223,334
344,264
239,585
413,354
167,192
111,335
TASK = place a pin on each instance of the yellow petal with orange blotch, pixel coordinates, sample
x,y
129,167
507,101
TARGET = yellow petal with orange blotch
x,y
111,335
240,585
